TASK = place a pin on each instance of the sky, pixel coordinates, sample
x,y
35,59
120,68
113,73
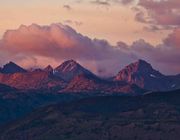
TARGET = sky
x,y
113,21
99,33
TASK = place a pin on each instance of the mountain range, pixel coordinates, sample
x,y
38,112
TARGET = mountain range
x,y
70,102
70,77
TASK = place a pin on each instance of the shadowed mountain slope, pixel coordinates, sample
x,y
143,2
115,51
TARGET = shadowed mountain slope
x,y
11,67
153,116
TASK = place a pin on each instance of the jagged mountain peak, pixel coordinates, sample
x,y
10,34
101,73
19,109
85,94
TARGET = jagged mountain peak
x,y
68,65
69,69
139,66
10,63
12,67
143,62
145,76
49,68
138,69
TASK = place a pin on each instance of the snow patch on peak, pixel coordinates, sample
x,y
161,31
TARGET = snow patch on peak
x,y
152,75
69,67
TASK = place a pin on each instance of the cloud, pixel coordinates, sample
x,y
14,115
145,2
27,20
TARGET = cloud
x,y
59,42
154,28
173,39
159,12
36,45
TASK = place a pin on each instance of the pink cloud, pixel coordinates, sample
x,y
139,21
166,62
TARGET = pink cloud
x,y
58,42
173,39
37,45
163,12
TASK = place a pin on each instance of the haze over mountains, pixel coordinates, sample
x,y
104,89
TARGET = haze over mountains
x,y
70,76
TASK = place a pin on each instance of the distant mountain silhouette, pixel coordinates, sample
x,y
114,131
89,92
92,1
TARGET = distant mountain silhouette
x,y
12,68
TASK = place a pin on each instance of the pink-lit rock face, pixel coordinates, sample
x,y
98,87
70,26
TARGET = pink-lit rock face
x,y
31,80
85,83
69,69
142,74
70,76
